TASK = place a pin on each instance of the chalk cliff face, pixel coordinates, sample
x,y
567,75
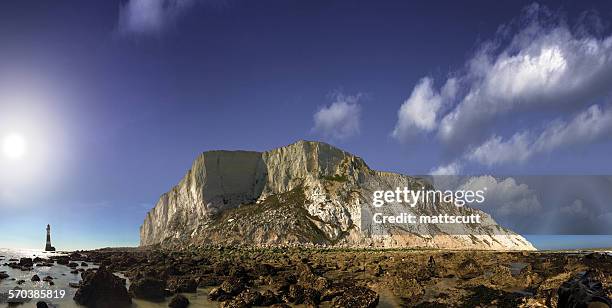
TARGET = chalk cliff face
x,y
303,194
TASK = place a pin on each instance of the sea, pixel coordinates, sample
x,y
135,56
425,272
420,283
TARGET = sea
x,y
62,279
571,242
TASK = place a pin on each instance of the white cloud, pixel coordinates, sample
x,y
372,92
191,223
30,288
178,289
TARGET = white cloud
x,y
504,197
535,63
341,119
538,69
587,126
496,151
151,17
420,111
453,168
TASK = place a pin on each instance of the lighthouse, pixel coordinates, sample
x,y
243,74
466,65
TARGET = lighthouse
x,y
48,247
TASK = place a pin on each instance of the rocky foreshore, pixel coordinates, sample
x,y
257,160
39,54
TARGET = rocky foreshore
x,y
282,277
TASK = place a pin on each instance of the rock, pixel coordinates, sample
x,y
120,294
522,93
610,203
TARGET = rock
x,y
74,284
26,262
42,305
179,301
73,264
295,294
375,270
101,289
4,275
268,298
13,265
20,281
84,264
48,278
358,297
35,278
148,288
228,289
320,284
76,256
216,294
583,291
250,297
182,285
62,260
234,303
468,269
232,286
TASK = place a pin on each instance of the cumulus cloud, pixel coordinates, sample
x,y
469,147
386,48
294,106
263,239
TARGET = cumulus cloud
x,y
341,119
587,126
535,63
543,65
504,197
453,168
420,111
495,150
576,208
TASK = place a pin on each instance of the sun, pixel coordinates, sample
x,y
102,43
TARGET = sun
x,y
14,146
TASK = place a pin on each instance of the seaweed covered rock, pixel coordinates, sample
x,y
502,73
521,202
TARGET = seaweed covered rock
x,y
101,289
148,288
358,297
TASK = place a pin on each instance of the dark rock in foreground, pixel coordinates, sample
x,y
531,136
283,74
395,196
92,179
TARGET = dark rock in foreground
x,y
101,289
179,301
42,305
583,291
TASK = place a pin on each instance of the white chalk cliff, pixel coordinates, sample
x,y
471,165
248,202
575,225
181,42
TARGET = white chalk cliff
x,y
307,193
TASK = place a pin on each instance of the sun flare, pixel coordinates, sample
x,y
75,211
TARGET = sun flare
x,y
14,146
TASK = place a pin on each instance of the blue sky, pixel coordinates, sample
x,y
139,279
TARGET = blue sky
x,y
115,99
